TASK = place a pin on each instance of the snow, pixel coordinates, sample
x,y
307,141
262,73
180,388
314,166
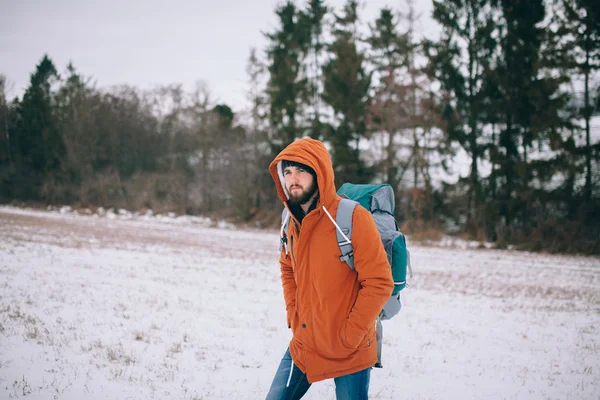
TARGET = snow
x,y
126,306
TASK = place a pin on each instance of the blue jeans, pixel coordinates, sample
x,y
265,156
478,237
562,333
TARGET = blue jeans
x,y
291,384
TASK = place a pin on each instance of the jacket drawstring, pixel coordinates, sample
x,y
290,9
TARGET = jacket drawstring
x,y
348,241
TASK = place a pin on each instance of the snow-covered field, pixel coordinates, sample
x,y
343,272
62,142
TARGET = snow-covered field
x,y
122,307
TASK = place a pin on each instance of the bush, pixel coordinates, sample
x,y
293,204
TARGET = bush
x,y
103,190
562,237
160,192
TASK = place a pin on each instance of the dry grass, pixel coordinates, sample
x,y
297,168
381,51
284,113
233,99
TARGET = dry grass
x,y
426,235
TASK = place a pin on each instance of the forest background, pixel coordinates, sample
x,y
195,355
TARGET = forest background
x,y
508,92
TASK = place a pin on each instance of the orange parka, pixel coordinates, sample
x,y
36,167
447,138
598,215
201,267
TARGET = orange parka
x,y
331,308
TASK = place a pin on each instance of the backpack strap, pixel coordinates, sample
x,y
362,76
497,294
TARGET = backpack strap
x,y
285,222
343,224
379,338
343,221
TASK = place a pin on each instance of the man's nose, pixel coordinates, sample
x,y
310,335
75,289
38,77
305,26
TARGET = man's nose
x,y
295,177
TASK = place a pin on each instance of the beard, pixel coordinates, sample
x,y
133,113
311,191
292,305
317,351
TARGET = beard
x,y
304,196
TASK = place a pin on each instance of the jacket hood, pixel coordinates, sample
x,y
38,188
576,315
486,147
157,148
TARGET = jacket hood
x,y
310,152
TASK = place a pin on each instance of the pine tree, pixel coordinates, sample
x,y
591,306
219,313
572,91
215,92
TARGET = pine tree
x,y
520,82
346,90
313,18
286,85
390,109
40,145
457,62
580,30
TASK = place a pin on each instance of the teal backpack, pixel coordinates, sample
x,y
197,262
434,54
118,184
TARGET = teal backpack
x,y
379,200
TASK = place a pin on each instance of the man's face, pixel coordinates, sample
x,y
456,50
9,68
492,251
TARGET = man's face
x,y
300,184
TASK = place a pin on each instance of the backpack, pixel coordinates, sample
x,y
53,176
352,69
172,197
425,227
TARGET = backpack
x,y
379,200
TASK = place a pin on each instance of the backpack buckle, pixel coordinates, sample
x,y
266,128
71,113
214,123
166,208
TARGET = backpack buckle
x,y
346,257
283,244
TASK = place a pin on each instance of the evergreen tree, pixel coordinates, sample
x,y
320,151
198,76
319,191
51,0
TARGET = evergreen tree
x,y
457,62
518,70
40,147
286,84
346,90
390,109
580,30
313,18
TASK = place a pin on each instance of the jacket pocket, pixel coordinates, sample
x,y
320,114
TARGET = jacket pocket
x,y
292,318
366,340
298,353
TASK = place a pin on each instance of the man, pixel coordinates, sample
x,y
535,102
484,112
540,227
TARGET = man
x,y
331,308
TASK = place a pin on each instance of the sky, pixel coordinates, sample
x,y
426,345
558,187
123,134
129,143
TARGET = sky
x,y
149,43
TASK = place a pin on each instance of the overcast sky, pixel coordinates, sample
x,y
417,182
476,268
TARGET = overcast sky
x,y
148,42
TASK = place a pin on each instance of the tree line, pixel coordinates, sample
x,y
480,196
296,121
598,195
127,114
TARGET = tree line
x,y
509,87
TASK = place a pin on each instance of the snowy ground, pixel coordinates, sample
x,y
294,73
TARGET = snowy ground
x,y
122,307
